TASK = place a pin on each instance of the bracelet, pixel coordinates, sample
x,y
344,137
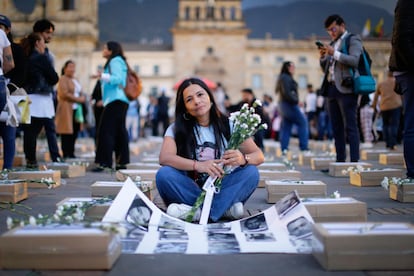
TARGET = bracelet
x,y
194,164
246,158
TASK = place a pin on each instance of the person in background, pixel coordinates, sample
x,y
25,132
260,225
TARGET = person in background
x,y
342,102
324,124
10,51
390,104
269,108
152,114
310,110
69,111
162,114
194,148
112,132
97,106
132,120
402,64
6,58
220,98
41,77
366,118
289,109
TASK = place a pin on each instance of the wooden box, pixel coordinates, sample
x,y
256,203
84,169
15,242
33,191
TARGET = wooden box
x,y
278,175
68,170
373,177
336,168
372,154
272,166
305,188
122,175
95,212
342,209
59,247
13,190
364,246
31,176
393,158
112,188
402,193
321,163
143,166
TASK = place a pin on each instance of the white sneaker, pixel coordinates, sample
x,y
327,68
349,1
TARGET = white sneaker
x,y
366,145
236,211
181,211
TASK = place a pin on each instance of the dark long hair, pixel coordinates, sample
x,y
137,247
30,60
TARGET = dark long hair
x,y
285,68
28,43
116,49
185,124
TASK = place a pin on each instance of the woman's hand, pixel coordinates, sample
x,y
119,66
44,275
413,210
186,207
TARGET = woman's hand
x,y
233,158
212,167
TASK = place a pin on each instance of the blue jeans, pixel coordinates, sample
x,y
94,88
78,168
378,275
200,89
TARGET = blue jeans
x,y
342,110
406,84
390,123
175,186
8,134
324,126
2,92
291,115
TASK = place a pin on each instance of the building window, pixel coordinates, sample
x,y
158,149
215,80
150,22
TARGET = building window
x,y
136,68
302,60
302,81
156,70
257,60
154,90
223,13
280,59
210,12
187,13
68,5
257,81
197,13
233,13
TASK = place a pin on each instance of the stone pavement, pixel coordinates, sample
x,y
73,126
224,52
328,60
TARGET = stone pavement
x,y
380,209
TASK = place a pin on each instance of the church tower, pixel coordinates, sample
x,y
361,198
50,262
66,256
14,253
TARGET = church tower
x,y
209,40
76,30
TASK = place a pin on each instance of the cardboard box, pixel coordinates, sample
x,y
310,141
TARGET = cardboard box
x,y
95,212
372,154
143,166
305,188
392,159
37,176
122,175
373,177
111,188
19,160
272,166
306,157
68,170
342,209
402,193
336,168
59,247
13,190
364,246
321,163
278,175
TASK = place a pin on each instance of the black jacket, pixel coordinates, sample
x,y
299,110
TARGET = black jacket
x,y
402,52
41,76
288,89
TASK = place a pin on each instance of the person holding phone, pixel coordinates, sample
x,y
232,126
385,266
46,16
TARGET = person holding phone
x,y
342,103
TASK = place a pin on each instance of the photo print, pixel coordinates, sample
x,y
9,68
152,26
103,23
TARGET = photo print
x,y
287,203
222,243
255,223
259,237
139,214
300,227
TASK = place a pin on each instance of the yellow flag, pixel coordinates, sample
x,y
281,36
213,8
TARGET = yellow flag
x,y
367,28
379,29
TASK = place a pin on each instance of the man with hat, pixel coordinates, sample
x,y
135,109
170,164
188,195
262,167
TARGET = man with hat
x,y
6,58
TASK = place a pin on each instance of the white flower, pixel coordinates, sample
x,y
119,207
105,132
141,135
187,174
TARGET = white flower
x,y
385,183
32,221
9,223
337,194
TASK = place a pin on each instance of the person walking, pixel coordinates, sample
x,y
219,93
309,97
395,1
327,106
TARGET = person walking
x,y
194,147
402,64
14,66
112,132
41,77
342,103
390,105
69,109
287,88
310,110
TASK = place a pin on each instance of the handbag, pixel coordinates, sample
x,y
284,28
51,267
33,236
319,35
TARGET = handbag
x,y
17,109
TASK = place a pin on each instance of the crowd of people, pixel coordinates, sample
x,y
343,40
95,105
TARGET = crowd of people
x,y
195,139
